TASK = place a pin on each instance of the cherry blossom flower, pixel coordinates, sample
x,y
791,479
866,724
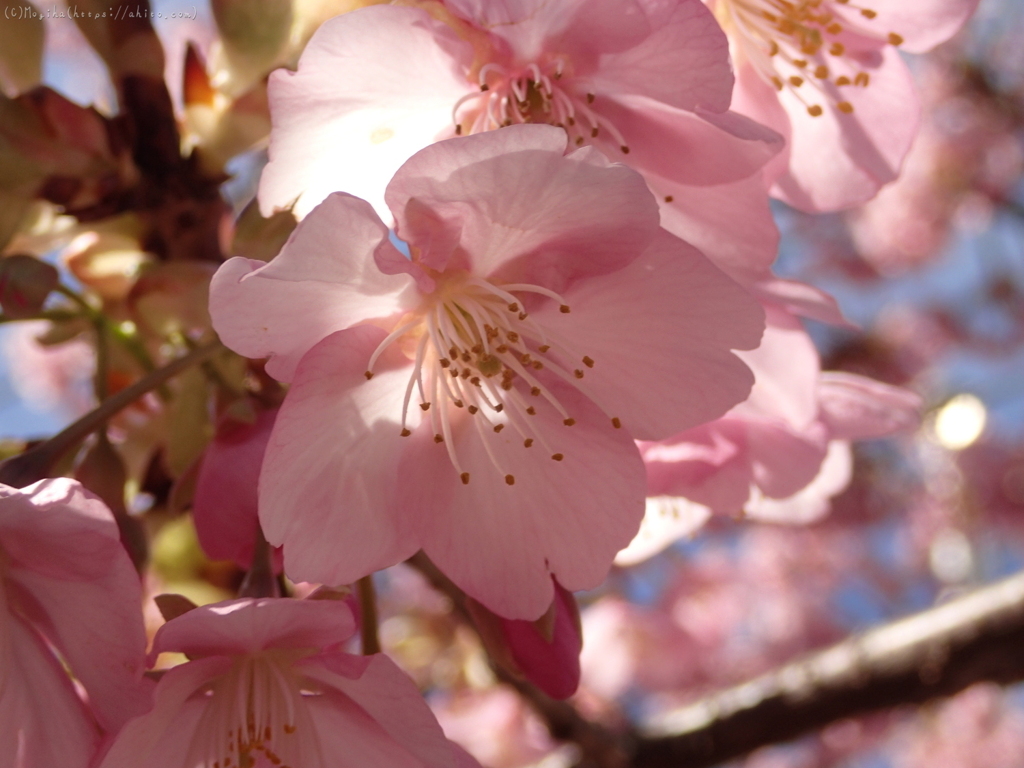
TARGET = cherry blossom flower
x,y
777,457
268,685
646,82
543,319
827,75
67,587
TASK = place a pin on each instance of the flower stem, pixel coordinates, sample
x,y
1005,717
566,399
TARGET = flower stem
x,y
368,611
260,580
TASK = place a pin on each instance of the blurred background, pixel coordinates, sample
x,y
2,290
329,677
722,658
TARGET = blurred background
x,y
932,272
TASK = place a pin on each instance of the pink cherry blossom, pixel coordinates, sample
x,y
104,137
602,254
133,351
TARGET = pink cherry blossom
x,y
268,685
543,320
827,76
777,457
224,506
67,587
646,82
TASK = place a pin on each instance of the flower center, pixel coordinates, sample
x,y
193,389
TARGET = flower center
x,y
789,43
532,94
478,352
254,709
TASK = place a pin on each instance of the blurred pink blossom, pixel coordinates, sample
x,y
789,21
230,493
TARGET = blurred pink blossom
x,y
828,77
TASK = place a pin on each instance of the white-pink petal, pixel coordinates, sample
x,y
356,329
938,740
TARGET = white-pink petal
x,y
331,473
325,279
69,576
502,542
660,333
373,86
525,212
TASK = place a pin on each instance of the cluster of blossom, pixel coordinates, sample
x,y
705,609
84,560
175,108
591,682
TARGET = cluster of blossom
x,y
526,326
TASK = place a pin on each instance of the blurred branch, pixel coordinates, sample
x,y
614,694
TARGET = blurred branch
x,y
37,462
974,638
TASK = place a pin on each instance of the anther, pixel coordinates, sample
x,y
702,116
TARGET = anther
x,y
498,427
588,361
499,407
537,365
616,423
510,479
527,442
578,373
814,110
669,198
531,411
445,362
523,315
796,81
837,49
569,422
472,409
368,375
513,307
458,129
590,98
512,336
594,132
485,87
862,79
895,39
625,149
535,391
543,347
845,106
405,432
564,309
557,456
867,13
843,80
579,141
425,406
438,439
458,403
465,478
821,72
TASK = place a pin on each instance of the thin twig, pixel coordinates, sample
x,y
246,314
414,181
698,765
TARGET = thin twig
x,y
368,616
37,462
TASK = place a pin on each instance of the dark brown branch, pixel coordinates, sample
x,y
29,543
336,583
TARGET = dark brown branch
x,y
974,638
978,637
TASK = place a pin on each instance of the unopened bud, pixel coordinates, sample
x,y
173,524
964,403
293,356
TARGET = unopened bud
x,y
545,651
